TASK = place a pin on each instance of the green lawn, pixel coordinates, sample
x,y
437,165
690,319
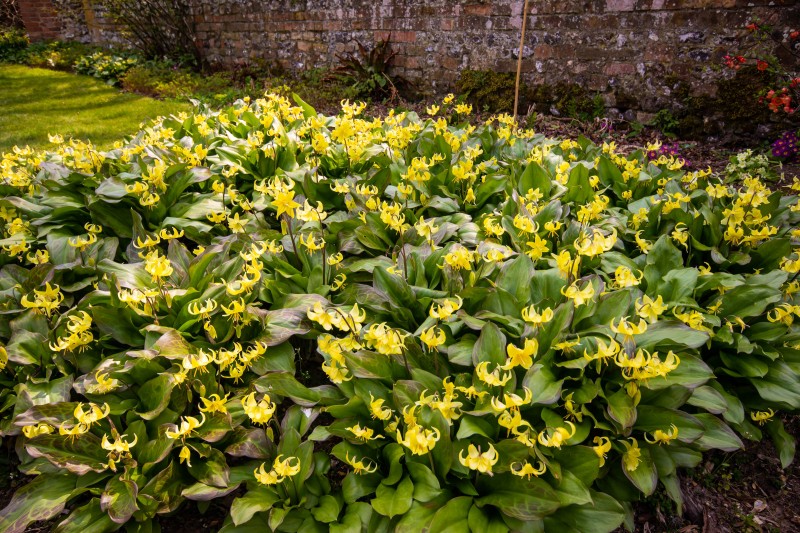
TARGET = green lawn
x,y
36,102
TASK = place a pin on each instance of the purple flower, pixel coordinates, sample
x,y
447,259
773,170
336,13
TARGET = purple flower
x,y
787,146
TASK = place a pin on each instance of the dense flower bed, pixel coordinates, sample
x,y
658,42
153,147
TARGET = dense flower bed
x,y
375,325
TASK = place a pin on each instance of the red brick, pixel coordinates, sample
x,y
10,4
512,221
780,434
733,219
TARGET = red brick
x,y
619,69
483,10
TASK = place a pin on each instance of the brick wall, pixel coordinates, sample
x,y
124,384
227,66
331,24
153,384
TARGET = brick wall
x,y
630,48
41,19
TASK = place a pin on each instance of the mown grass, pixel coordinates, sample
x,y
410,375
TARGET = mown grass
x,y
36,102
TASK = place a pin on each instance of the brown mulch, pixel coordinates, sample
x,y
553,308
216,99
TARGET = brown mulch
x,y
745,491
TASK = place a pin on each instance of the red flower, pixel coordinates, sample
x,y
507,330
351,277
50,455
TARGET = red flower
x,y
762,65
752,26
794,35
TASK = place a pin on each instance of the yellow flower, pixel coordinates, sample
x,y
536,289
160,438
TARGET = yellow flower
x,y
236,309
39,429
632,456
527,470
80,242
579,296
521,356
492,379
512,401
214,404
185,455
475,460
45,301
419,440
119,445
377,410
628,329
446,309
624,277
261,411
157,266
663,437
537,248
491,228
204,310
596,244
459,258
167,235
644,245
187,425
433,337
555,437
285,468
364,434
530,314
93,415
601,448
681,234
358,465
284,203
761,417
650,309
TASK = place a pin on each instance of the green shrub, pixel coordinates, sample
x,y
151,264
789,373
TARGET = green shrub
x,y
357,324
12,43
57,55
109,67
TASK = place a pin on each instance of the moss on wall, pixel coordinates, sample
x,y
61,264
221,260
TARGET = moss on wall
x,y
488,90
567,99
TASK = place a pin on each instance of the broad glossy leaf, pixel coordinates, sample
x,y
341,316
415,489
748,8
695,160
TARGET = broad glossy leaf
x,y
41,499
390,501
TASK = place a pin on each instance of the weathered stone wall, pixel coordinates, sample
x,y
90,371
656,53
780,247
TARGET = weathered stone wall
x,y
635,53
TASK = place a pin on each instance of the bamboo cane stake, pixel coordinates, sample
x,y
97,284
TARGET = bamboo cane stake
x,y
519,58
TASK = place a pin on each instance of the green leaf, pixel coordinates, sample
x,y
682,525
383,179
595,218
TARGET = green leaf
x,y
285,384
327,510
212,470
254,501
490,346
671,334
308,111
155,395
784,442
452,518
541,380
717,435
119,499
622,409
534,177
78,455
652,418
392,502
581,461
661,259
356,486
691,373
40,500
603,516
706,397
644,477
472,425
519,498
89,518
514,277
